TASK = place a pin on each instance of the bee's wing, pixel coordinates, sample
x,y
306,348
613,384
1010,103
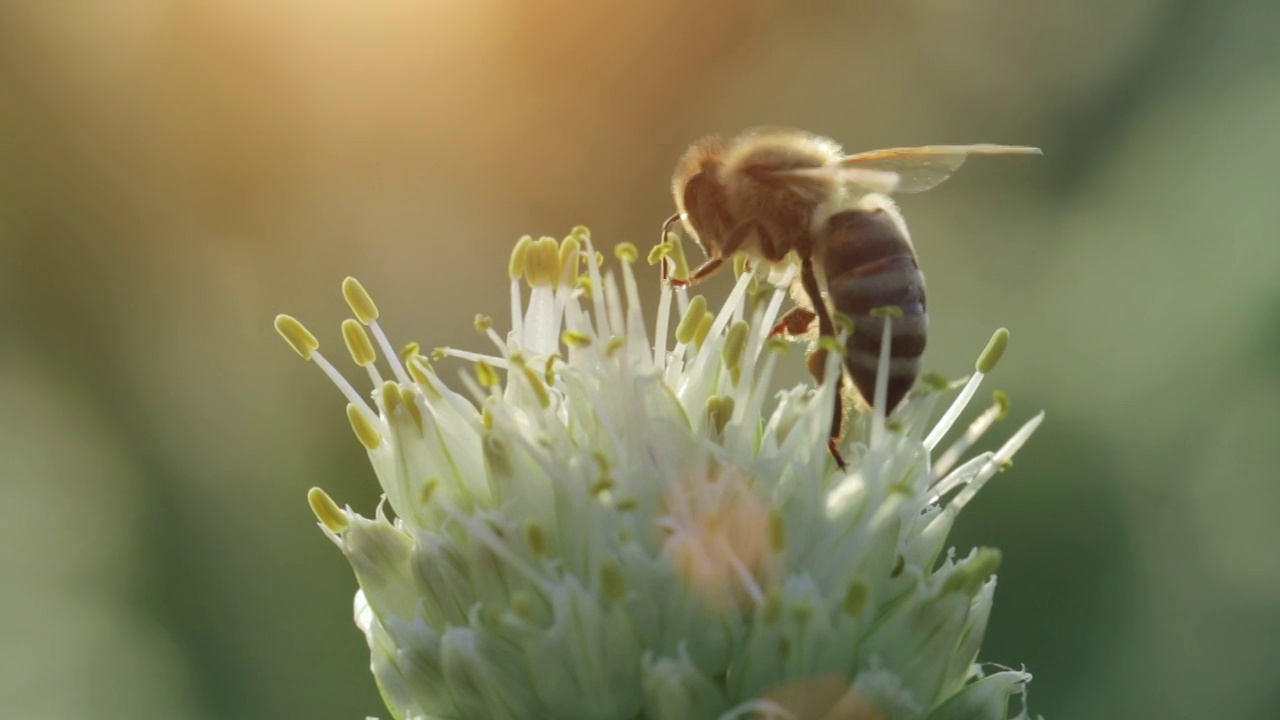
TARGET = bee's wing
x,y
813,183
923,168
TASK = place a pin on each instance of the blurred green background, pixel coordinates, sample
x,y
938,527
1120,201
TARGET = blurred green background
x,y
174,173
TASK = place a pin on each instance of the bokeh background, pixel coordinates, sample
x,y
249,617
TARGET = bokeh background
x,y
174,173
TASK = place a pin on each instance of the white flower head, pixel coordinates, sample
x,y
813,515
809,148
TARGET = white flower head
x,y
598,523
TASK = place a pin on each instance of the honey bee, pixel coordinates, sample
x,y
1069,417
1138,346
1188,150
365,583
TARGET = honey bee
x,y
780,195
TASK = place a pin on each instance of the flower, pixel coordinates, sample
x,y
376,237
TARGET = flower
x,y
595,523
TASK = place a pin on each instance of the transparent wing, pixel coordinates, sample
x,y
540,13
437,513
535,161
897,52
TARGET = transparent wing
x,y
814,183
925,167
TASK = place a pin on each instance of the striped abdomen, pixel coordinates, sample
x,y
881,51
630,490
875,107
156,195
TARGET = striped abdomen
x,y
869,263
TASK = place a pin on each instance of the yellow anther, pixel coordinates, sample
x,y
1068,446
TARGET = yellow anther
x,y
1001,400
995,350
327,511
298,337
855,597
891,311
486,375
409,350
582,232
573,338
364,429
613,346
935,381
358,343
390,396
535,538
535,382
612,582
584,284
519,256
409,399
704,329
626,252
549,372
542,263
600,487
570,258
482,323
678,260
440,353
720,411
735,343
659,252
420,371
599,259
689,323
359,300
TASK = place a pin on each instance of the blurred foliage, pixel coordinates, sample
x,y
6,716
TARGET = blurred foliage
x,y
174,173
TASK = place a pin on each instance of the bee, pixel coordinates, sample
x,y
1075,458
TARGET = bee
x,y
780,195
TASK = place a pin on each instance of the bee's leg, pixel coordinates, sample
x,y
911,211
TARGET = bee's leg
x,y
796,321
717,257
666,228
817,361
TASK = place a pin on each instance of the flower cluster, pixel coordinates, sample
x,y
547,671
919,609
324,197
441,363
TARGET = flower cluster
x,y
596,522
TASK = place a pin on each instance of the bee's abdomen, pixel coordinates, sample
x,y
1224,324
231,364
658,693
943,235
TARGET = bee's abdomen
x,y
869,265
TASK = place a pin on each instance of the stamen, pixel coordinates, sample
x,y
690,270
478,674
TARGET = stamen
x,y
344,387
691,319
361,348
364,428
679,263
882,376
327,511
298,337
998,409
542,263
986,361
1001,456
359,301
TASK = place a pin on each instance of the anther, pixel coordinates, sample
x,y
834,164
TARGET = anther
x,y
358,343
486,375
326,510
363,427
1001,401
359,300
573,338
570,258
735,343
612,583
992,354
626,252
542,262
482,323
688,326
680,265
298,337
519,257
